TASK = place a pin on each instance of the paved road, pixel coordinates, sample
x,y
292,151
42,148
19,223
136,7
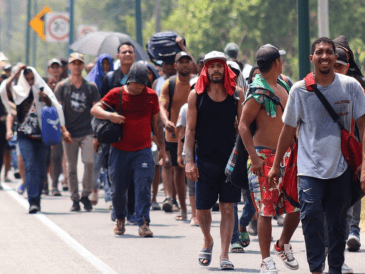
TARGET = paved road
x,y
60,241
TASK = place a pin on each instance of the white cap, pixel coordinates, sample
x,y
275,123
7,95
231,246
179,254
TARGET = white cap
x,y
214,55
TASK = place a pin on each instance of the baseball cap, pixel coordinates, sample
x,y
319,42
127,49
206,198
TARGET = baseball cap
x,y
182,54
7,66
341,56
234,66
231,50
267,54
214,55
76,56
54,61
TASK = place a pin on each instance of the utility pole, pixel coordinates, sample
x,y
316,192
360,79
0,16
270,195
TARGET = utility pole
x,y
139,23
34,42
304,38
158,18
323,23
27,46
71,36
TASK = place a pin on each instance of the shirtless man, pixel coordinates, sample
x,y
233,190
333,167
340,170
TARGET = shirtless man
x,y
170,108
261,148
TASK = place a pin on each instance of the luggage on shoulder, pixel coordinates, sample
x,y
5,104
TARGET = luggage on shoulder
x,y
163,47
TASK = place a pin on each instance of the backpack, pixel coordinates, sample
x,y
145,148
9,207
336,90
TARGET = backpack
x,y
51,132
172,84
163,47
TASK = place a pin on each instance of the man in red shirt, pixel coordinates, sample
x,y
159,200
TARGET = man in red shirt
x,y
131,158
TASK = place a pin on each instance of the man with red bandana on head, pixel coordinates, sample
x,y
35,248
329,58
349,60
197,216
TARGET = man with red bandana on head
x,y
212,112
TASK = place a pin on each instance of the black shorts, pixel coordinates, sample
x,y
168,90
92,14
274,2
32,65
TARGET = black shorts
x,y
172,148
212,185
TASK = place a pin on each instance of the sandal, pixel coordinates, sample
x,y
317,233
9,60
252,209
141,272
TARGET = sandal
x,y
237,248
205,254
245,239
226,265
182,217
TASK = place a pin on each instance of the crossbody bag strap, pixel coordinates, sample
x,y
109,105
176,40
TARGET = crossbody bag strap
x,y
120,101
327,106
271,96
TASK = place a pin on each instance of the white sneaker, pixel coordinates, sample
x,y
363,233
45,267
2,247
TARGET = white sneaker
x,y
268,266
286,256
346,269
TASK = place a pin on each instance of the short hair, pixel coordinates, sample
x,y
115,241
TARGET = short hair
x,y
266,67
125,44
323,40
27,71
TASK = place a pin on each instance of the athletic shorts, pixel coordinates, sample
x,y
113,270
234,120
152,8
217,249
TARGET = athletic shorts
x,y
212,186
267,200
172,148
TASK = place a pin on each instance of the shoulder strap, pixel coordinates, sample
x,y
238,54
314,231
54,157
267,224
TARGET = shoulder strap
x,y
312,86
199,101
172,83
270,95
120,100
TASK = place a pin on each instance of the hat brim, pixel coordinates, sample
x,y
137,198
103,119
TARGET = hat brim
x,y
185,56
215,58
76,59
341,62
282,52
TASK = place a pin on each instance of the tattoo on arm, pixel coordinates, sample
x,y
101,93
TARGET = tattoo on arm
x,y
158,128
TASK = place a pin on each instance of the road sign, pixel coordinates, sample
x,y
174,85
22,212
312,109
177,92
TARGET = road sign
x,y
83,30
57,27
37,24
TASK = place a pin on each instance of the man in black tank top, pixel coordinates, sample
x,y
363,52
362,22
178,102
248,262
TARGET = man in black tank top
x,y
212,112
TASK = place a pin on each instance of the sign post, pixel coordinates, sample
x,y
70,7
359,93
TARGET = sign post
x,y
27,42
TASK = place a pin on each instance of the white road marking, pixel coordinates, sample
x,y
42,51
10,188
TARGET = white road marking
x,y
95,261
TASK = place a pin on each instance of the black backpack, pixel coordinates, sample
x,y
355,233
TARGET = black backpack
x,y
163,47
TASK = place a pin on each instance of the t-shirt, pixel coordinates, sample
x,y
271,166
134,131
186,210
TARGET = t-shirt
x,y
319,143
27,118
181,121
76,105
159,82
138,111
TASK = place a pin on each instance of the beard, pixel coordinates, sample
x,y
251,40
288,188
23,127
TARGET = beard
x,y
216,80
184,73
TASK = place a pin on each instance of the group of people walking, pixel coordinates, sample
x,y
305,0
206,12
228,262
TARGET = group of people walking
x,y
183,125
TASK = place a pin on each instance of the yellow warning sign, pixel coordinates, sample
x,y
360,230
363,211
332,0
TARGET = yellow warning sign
x,y
37,24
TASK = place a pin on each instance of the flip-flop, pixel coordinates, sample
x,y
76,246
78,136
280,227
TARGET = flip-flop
x,y
237,248
182,217
226,265
205,254
244,238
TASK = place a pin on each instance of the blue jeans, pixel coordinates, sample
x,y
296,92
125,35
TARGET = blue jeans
x,y
126,167
247,214
100,161
34,153
329,197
